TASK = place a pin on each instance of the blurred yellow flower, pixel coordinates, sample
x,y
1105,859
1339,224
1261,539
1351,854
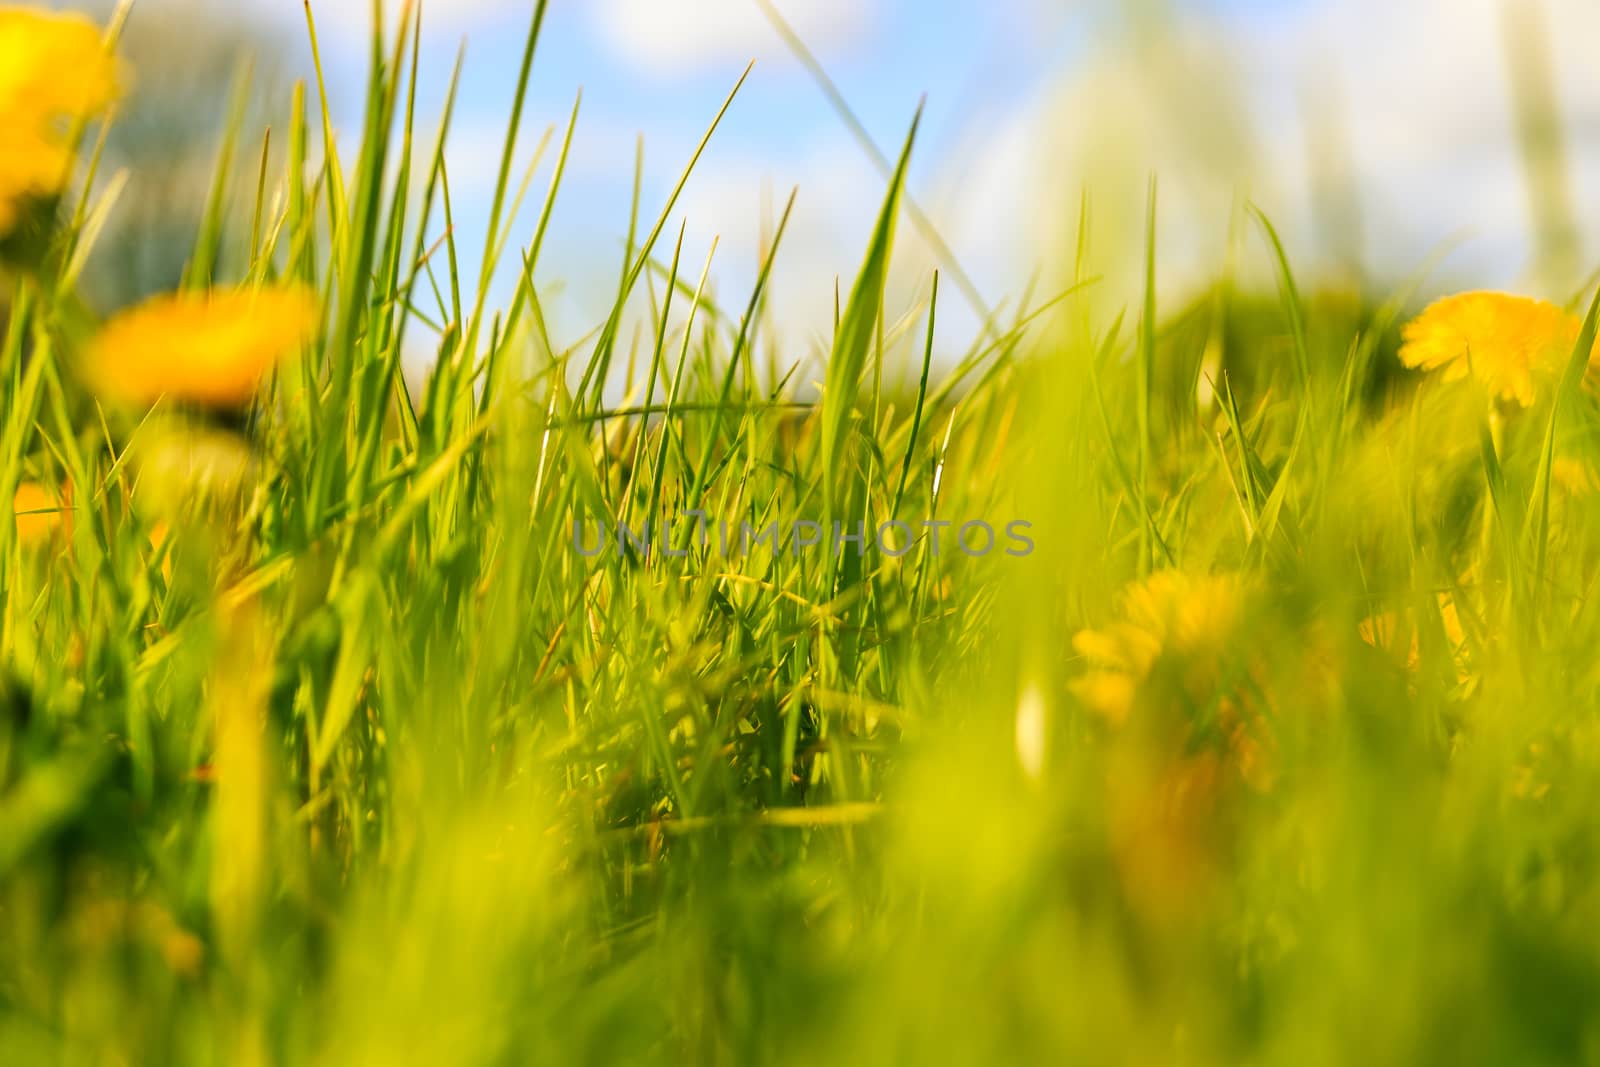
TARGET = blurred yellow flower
x,y
179,465
1175,674
1506,342
1191,621
1181,644
54,71
1576,476
1399,633
207,348
160,536
38,511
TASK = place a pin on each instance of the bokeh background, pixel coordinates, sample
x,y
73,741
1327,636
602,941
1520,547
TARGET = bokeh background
x,y
1420,888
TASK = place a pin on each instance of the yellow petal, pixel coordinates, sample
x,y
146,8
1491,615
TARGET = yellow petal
x,y
211,349
38,511
53,66
55,71
1506,342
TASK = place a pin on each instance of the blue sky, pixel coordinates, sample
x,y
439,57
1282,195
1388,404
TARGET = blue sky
x,y
973,63
1029,102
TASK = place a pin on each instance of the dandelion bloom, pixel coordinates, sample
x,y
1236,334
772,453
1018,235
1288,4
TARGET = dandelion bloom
x,y
1172,675
176,461
55,70
1180,643
38,512
208,348
1170,616
1400,634
161,546
1576,476
1506,342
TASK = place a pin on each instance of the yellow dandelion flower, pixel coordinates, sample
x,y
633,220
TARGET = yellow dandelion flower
x,y
31,166
1576,476
160,546
1399,633
207,348
1179,643
39,513
180,466
1506,342
1169,616
54,71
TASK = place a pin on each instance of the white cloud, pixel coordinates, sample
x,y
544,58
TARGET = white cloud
x,y
1174,109
675,35
1430,118
739,200
1419,90
1427,104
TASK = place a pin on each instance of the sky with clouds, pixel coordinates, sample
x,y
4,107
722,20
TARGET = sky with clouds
x,y
1395,111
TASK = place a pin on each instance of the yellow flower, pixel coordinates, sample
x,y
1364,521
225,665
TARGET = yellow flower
x,y
1173,674
54,71
195,458
160,536
1576,476
1170,616
1506,342
208,348
39,513
1397,632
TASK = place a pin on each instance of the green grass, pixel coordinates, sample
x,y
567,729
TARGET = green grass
x,y
364,763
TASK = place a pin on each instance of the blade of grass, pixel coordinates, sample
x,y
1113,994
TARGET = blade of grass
x,y
853,341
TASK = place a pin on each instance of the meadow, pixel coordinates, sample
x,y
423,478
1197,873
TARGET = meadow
x,y
321,741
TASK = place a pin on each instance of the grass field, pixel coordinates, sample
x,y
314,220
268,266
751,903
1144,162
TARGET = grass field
x,y
321,741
